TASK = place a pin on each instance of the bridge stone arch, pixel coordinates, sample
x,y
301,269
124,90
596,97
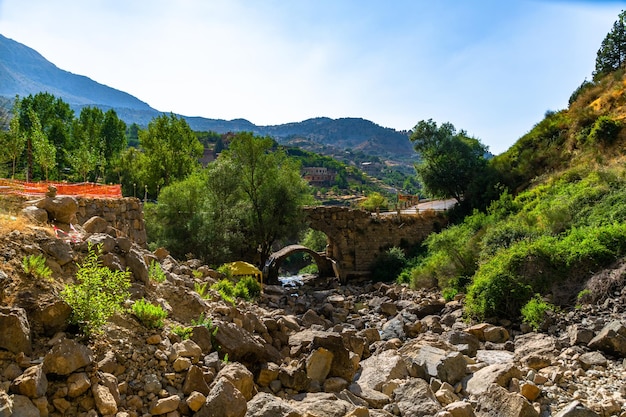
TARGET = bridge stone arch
x,y
355,237
323,262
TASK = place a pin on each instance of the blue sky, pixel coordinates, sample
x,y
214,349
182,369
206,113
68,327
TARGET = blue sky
x,y
492,68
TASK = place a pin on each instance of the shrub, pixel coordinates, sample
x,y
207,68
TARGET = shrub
x,y
388,265
150,315
226,289
534,311
155,272
604,131
247,288
449,293
183,332
98,294
35,265
201,289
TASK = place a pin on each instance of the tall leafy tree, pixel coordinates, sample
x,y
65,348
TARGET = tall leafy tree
x,y
273,188
612,53
450,162
13,142
171,151
55,117
44,152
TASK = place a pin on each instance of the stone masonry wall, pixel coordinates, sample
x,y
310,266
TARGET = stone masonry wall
x,y
124,214
357,237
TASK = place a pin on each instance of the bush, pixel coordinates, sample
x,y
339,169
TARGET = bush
x,y
35,265
150,315
201,289
388,265
98,294
534,311
226,289
183,332
604,131
247,288
155,272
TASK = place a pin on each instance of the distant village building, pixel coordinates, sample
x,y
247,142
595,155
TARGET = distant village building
x,y
371,168
318,175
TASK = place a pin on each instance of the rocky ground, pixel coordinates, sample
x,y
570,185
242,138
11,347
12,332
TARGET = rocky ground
x,y
318,350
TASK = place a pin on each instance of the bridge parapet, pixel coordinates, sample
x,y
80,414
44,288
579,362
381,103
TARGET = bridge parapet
x,y
356,237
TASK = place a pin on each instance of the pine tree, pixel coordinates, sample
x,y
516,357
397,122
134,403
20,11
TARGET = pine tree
x,y
612,53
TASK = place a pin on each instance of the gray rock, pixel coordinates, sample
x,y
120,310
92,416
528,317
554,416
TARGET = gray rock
x,y
240,377
15,334
24,407
96,224
60,209
104,399
267,405
60,250
242,346
165,405
32,383
576,409
498,402
415,398
137,265
195,381
53,316
380,369
37,214
66,357
437,363
499,374
611,339
224,400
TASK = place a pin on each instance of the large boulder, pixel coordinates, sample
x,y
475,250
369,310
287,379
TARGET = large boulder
x,y
32,383
437,363
380,369
66,357
15,334
243,346
415,398
224,400
499,374
267,405
498,402
240,377
60,209
611,339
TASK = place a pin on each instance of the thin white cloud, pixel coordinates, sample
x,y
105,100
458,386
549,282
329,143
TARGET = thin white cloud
x,y
489,67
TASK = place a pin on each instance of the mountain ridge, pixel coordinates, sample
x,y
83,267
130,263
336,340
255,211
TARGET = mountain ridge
x,y
24,71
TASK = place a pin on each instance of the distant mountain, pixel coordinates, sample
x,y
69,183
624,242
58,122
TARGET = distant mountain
x,y
23,71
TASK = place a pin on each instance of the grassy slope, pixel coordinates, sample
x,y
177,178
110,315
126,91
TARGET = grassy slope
x,y
566,221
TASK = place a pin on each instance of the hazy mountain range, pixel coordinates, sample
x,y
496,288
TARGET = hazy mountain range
x,y
24,71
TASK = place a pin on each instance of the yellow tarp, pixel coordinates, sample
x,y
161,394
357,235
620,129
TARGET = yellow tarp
x,y
240,268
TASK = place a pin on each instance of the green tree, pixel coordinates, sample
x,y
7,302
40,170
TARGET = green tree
x,y
374,202
273,188
451,162
44,152
612,53
171,151
13,142
55,118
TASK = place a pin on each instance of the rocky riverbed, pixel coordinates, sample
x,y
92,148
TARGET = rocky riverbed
x,y
316,350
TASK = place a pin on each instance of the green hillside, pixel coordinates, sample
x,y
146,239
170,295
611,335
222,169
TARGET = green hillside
x,y
561,222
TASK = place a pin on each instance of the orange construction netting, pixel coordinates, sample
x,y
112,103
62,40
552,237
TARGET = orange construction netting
x,y
83,189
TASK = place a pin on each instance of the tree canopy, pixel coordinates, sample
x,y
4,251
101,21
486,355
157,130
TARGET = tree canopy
x,y
450,162
612,53
238,207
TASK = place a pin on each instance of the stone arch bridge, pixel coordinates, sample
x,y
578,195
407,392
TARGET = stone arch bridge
x,y
355,238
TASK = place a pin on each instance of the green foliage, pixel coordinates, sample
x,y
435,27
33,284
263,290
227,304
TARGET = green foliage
x,y
97,295
226,290
375,202
388,265
184,332
612,53
35,265
315,240
247,288
534,311
152,316
155,272
204,321
449,293
201,289
604,131
309,269
451,163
